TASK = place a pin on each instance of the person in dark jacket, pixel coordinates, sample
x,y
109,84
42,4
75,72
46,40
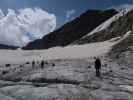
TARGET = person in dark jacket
x,y
98,67
33,64
42,64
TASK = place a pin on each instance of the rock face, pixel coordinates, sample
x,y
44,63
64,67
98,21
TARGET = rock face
x,y
73,30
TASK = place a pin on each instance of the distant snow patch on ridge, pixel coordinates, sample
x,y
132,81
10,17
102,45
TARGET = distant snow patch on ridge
x,y
15,25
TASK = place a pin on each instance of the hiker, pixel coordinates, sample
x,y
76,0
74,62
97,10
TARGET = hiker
x,y
42,64
98,67
33,64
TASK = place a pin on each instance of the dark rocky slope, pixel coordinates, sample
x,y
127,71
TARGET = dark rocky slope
x,y
2,46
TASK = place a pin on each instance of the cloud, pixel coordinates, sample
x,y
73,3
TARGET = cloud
x,y
69,14
25,25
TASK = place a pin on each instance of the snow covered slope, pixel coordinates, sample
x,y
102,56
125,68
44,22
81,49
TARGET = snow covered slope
x,y
122,12
105,24
70,52
116,26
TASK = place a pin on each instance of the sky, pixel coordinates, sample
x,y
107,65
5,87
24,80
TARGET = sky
x,y
22,21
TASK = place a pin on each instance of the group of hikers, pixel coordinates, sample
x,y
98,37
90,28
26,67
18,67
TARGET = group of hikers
x,y
97,66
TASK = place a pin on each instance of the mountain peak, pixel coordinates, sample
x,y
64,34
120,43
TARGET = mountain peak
x,y
73,30
125,8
